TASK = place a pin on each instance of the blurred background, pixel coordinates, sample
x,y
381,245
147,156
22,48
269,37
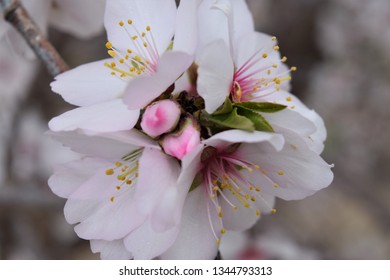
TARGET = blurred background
x,y
342,51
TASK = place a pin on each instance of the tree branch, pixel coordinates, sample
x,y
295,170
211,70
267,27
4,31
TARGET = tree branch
x,y
17,15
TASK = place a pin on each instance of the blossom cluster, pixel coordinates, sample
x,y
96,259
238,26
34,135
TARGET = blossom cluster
x,y
188,130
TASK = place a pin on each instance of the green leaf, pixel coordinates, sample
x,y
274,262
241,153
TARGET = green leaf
x,y
226,108
258,120
264,107
230,120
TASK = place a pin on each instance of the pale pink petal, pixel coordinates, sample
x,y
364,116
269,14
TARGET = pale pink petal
x,y
160,15
103,117
196,239
295,172
187,26
111,146
157,172
144,243
215,74
81,18
110,250
68,177
109,220
141,91
88,84
223,139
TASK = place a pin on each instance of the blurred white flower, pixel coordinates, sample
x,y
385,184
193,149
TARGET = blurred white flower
x,y
83,19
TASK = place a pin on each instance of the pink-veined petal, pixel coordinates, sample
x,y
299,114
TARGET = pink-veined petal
x,y
196,239
110,250
160,15
215,74
143,90
99,118
88,84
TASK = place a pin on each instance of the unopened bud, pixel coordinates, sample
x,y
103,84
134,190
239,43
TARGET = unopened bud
x,y
160,117
184,141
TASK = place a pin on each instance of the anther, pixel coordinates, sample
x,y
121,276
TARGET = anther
x,y
129,21
109,45
276,48
280,172
121,23
109,171
265,55
293,68
112,53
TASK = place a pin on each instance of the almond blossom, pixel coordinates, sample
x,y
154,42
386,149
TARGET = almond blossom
x,y
247,66
172,162
115,194
141,68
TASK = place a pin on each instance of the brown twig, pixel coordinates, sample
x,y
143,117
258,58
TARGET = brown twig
x,y
17,15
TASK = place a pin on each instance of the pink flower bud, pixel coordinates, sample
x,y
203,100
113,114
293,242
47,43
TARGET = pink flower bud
x,y
183,142
160,117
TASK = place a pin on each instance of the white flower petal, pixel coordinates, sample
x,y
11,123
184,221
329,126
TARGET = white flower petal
x,y
213,23
110,250
291,120
112,146
285,98
160,15
225,138
68,177
256,43
141,91
295,172
103,117
157,172
196,239
215,74
169,211
187,26
237,220
145,243
88,84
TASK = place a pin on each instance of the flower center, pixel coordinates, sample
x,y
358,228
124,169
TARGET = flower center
x,y
126,172
141,58
222,176
260,75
